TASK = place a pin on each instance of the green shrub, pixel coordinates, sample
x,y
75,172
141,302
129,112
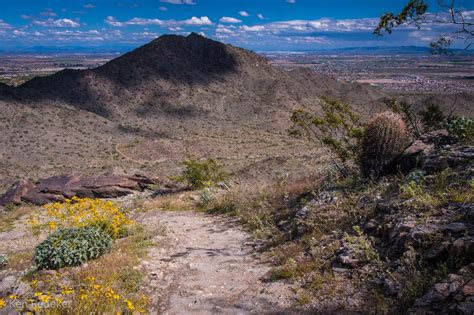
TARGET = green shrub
x,y
429,118
206,197
384,140
337,130
3,261
432,117
461,128
71,247
417,176
199,174
10,207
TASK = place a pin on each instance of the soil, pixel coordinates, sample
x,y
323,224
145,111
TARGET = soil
x,y
207,264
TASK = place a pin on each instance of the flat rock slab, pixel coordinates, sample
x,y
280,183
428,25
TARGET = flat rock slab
x,y
59,188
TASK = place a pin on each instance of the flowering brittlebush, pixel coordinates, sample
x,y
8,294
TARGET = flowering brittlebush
x,y
86,297
81,212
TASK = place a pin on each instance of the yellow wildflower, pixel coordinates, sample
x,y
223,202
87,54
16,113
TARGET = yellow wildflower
x,y
129,305
44,298
67,291
2,304
52,225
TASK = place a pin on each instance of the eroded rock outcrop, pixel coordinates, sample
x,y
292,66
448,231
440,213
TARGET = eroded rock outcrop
x,y
453,295
58,188
433,152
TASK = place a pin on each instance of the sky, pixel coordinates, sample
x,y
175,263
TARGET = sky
x,y
262,25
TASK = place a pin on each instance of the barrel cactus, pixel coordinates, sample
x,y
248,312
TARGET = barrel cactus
x,y
384,140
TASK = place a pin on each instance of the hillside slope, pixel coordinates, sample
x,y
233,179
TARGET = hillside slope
x,y
150,108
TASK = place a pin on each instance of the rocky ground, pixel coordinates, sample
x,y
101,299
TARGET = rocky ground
x,y
201,264
400,244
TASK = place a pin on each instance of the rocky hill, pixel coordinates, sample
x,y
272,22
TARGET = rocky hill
x,y
150,108
177,78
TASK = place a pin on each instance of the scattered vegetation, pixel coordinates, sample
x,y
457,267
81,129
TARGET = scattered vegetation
x,y
462,128
338,130
429,118
10,218
9,207
200,174
88,296
71,247
3,261
108,283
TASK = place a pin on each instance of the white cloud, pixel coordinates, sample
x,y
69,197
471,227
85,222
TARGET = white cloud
x,y
223,29
56,23
420,35
163,8
113,22
48,12
260,16
195,21
322,25
88,6
19,33
255,28
176,29
203,20
291,1
189,2
244,13
227,19
140,21
4,25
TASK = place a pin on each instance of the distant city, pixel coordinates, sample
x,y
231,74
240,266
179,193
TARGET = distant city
x,y
398,72
394,69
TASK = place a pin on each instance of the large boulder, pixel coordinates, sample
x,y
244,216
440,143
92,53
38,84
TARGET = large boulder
x,y
58,188
15,194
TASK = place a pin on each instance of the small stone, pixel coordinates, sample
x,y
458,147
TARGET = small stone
x,y
455,227
22,289
391,287
468,289
442,288
453,287
7,283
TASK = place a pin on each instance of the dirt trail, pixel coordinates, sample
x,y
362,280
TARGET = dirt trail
x,y
206,265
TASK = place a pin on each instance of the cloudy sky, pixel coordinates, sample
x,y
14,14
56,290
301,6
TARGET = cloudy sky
x,y
255,24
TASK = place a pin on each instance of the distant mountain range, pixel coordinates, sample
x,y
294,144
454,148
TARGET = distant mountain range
x,y
378,50
373,50
68,49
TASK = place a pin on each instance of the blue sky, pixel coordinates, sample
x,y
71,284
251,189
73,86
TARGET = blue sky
x,y
256,24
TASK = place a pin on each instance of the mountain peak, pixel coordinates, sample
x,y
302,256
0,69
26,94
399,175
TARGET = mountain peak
x,y
194,35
